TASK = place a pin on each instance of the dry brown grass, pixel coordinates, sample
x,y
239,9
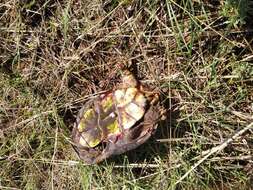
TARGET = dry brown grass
x,y
55,55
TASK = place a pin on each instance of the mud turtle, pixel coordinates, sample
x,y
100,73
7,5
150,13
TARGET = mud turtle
x,y
116,121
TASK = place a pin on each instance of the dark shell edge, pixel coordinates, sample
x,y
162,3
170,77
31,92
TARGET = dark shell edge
x,y
134,137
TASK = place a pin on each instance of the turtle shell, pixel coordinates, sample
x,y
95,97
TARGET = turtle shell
x,y
117,119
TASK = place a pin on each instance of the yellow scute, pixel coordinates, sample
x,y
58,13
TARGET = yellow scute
x,y
107,103
113,128
88,141
127,121
130,94
119,97
87,115
135,111
140,100
81,126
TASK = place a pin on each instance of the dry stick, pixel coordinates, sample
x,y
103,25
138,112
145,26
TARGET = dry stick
x,y
9,188
243,157
32,118
55,149
215,150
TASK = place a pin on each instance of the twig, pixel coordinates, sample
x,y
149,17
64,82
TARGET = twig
x,y
243,157
215,150
49,161
9,188
153,174
242,115
55,150
138,166
32,118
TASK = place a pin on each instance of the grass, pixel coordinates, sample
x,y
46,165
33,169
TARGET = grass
x,y
55,55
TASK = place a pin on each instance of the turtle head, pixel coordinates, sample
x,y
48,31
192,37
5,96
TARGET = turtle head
x,y
128,79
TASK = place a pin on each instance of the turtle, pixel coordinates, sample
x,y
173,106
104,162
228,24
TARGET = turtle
x,y
116,121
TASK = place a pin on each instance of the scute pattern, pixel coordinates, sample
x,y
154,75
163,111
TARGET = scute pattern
x,y
111,114
115,122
